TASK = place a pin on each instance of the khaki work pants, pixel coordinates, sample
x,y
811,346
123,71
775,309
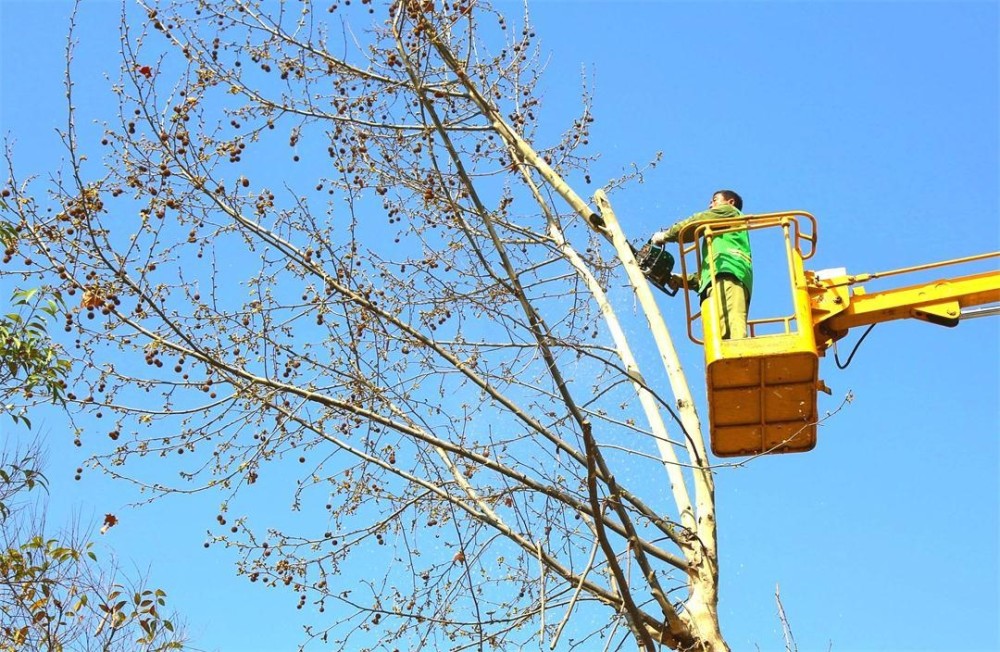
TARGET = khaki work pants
x,y
733,321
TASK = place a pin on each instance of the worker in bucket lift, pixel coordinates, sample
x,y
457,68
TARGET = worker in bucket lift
x,y
733,264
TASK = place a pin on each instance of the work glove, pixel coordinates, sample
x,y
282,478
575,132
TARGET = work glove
x,y
676,282
659,238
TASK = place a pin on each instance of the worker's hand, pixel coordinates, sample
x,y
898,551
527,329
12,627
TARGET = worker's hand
x,y
676,282
659,238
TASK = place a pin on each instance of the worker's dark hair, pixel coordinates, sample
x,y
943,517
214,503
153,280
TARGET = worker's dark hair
x,y
731,195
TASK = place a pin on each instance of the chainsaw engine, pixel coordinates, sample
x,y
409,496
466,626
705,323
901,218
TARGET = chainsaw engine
x,y
657,264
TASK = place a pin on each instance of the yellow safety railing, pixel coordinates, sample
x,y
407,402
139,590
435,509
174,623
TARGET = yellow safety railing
x,y
800,245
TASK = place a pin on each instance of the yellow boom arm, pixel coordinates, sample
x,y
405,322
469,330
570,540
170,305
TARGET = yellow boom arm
x,y
836,309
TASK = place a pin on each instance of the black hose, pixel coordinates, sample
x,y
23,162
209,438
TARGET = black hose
x,y
836,356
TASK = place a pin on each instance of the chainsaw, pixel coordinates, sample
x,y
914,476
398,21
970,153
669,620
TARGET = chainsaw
x,y
657,265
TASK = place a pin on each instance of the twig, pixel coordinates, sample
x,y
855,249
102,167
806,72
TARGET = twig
x,y
790,645
576,594
541,592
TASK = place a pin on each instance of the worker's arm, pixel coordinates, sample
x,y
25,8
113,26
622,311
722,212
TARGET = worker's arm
x,y
673,233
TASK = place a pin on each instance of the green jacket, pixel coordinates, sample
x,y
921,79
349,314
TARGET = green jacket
x,y
732,250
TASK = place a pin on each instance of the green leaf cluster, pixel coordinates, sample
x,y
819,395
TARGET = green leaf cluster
x,y
55,595
31,365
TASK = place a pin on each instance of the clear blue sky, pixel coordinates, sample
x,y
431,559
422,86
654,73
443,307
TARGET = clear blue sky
x,y
881,118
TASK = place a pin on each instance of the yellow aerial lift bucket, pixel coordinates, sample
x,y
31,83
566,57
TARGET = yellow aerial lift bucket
x,y
761,389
